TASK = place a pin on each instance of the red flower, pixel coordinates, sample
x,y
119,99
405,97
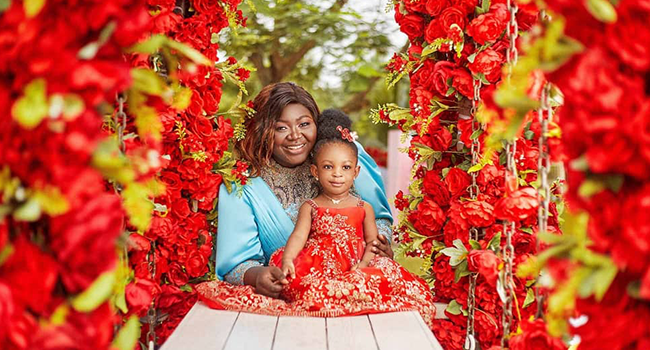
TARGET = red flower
x,y
451,16
442,71
487,28
428,218
433,186
139,295
457,181
176,275
478,213
518,206
534,337
463,82
486,263
414,5
435,7
629,36
488,62
196,265
412,25
433,31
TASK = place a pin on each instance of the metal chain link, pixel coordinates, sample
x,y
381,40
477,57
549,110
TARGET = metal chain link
x,y
120,121
152,316
512,180
544,115
473,189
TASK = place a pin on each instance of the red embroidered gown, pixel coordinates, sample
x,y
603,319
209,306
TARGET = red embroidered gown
x,y
324,285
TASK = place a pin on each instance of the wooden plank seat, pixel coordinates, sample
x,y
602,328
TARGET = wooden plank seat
x,y
205,328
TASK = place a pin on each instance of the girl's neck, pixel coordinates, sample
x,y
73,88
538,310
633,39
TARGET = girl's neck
x,y
336,199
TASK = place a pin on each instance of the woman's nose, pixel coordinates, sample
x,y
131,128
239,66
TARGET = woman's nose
x,y
294,134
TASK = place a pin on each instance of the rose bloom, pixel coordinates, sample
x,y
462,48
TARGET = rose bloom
x,y
435,7
423,77
176,275
442,71
450,335
535,337
139,295
433,31
488,62
488,27
486,263
478,213
457,181
463,82
420,102
415,5
450,16
412,25
517,206
629,36
433,186
428,218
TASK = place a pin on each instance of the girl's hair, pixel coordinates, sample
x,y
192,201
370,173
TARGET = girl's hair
x,y
329,123
257,145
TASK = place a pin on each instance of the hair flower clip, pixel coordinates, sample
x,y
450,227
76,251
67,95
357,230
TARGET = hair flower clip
x,y
345,133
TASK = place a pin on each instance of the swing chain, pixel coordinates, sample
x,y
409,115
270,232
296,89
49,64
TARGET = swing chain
x,y
152,316
473,189
120,121
544,115
513,32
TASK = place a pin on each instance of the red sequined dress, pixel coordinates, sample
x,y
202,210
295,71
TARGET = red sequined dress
x,y
324,285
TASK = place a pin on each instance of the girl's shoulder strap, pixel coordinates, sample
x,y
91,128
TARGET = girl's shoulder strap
x,y
312,203
360,202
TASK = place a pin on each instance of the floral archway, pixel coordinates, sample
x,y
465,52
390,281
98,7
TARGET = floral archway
x,y
112,154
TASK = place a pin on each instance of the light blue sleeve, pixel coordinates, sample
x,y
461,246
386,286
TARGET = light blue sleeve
x,y
370,186
238,240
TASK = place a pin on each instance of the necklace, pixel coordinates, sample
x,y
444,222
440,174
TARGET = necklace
x,y
336,201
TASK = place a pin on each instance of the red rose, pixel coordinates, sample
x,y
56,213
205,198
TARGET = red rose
x,y
180,208
488,62
442,71
414,5
176,275
411,25
451,16
423,76
195,264
478,213
428,218
535,336
434,7
486,263
467,6
433,31
488,27
200,125
463,83
457,181
433,186
139,295
420,102
518,206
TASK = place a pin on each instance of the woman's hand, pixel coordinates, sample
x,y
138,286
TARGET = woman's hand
x,y
267,280
382,247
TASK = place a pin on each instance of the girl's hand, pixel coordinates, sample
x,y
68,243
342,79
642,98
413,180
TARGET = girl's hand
x,y
382,247
288,269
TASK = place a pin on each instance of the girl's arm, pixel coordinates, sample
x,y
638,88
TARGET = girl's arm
x,y
297,240
370,234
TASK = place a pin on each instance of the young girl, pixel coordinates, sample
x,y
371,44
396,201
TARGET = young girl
x,y
328,259
334,231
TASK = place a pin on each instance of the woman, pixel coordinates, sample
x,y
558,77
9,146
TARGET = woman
x,y
253,225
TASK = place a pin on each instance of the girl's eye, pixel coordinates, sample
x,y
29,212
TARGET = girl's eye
x,y
347,167
327,167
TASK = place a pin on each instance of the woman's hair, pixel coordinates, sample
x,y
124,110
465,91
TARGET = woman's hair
x,y
333,128
257,146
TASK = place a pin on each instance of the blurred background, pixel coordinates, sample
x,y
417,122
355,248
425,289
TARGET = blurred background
x,y
336,49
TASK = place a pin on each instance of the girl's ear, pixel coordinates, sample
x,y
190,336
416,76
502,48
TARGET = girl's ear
x,y
313,169
356,171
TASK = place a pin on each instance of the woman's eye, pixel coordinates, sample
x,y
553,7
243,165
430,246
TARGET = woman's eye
x,y
280,128
305,124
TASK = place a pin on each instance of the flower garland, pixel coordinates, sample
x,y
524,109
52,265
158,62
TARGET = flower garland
x,y
600,268
59,222
176,251
458,51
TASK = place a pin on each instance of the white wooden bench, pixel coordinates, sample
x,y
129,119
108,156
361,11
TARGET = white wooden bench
x,y
205,328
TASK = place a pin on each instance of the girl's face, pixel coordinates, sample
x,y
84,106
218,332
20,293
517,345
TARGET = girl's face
x,y
335,168
294,135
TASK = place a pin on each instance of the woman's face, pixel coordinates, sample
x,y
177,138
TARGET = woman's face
x,y
295,135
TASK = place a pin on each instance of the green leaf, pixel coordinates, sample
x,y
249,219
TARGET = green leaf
x,y
6,252
127,337
190,53
33,7
603,279
602,10
530,297
368,71
148,81
30,211
186,288
476,134
495,243
461,271
484,8
4,5
474,244
454,307
98,292
182,98
30,109
137,205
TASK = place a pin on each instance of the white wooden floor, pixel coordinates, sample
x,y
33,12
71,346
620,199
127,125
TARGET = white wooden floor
x,y
205,328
